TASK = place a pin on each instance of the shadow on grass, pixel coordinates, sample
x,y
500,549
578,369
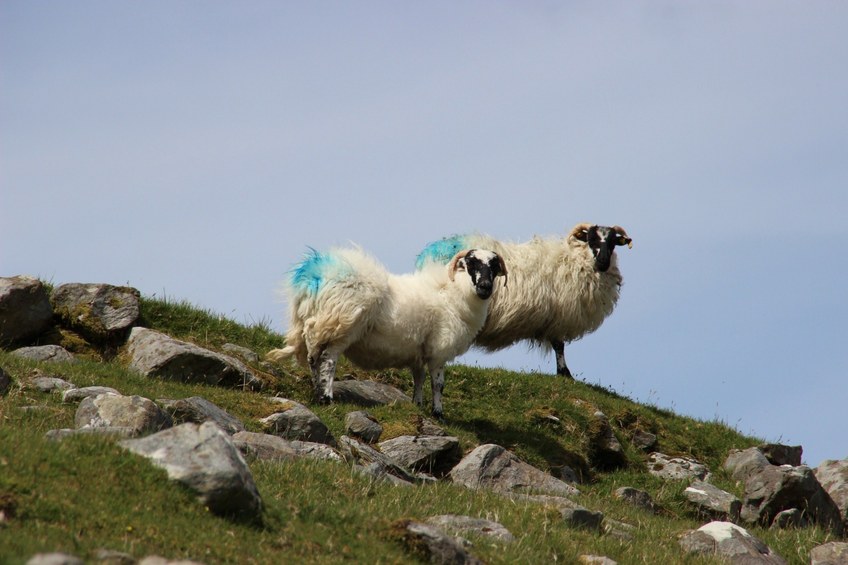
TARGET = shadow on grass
x,y
539,445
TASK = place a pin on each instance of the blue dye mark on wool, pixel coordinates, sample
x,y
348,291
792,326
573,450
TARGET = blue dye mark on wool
x,y
441,251
308,275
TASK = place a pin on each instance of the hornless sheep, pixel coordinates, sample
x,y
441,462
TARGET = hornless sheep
x,y
562,288
344,301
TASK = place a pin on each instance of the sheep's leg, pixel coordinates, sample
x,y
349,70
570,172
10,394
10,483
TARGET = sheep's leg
x,y
437,382
559,351
323,372
418,376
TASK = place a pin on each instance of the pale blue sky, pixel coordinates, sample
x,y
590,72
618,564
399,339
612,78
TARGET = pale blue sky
x,y
195,149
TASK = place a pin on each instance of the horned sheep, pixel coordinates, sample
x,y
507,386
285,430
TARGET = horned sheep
x,y
561,288
345,302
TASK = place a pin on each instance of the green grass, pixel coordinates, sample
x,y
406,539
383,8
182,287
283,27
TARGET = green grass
x,y
85,493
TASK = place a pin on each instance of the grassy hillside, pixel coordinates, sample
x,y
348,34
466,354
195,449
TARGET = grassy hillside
x,y
85,493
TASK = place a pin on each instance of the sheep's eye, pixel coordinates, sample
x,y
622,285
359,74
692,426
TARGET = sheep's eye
x,y
460,264
622,240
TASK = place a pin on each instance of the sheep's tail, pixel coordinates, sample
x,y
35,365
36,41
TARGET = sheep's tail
x,y
330,296
279,355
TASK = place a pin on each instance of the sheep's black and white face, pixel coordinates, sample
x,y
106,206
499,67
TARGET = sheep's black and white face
x,y
602,241
482,266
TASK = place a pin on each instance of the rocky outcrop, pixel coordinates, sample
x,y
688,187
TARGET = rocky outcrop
x,y
204,459
100,312
833,476
364,426
25,311
293,420
773,489
367,393
730,542
155,354
433,545
493,467
199,410
207,449
435,455
136,414
712,502
676,468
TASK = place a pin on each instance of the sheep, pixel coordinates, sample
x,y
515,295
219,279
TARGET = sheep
x,y
345,302
562,288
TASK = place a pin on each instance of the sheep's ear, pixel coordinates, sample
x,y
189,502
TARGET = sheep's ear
x,y
580,232
457,263
623,239
503,272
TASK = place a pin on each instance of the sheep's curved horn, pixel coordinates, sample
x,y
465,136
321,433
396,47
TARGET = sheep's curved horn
x,y
453,263
580,231
620,231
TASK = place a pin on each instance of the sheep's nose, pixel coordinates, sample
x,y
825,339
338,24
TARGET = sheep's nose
x,y
484,289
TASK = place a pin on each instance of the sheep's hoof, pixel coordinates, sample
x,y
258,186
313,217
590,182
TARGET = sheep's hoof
x,y
565,373
323,399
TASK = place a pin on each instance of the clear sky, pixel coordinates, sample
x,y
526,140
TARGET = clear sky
x,y
194,149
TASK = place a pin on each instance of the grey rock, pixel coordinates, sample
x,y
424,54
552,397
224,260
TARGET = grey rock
x,y
379,474
246,354
112,557
198,410
47,384
155,354
437,546
605,449
463,525
833,553
364,454
729,541
265,447
140,414
269,447
367,393
774,489
676,468
427,427
204,459
45,354
25,310
362,425
635,497
743,463
713,502
792,518
100,312
315,450
778,454
833,476
436,455
645,441
54,559
78,394
619,530
595,560
295,421
492,467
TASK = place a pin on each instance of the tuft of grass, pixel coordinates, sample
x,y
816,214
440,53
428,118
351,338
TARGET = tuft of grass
x,y
86,493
